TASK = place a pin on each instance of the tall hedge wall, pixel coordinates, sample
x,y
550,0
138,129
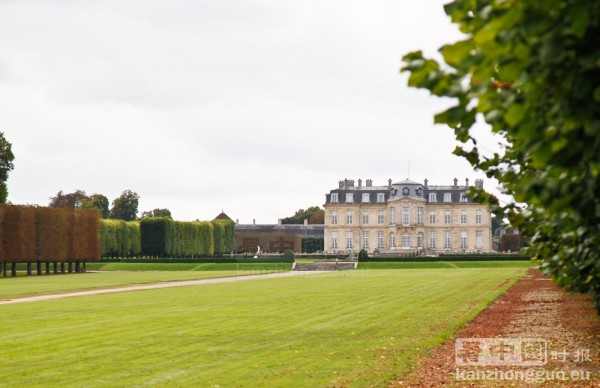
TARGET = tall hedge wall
x,y
45,234
119,238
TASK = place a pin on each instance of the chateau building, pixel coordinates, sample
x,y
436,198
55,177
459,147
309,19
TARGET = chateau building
x,y
405,217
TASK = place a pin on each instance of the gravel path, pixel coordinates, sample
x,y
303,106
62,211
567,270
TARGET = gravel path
x,y
154,286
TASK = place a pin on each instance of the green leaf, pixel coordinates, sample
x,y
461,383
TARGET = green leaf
x,y
457,53
514,115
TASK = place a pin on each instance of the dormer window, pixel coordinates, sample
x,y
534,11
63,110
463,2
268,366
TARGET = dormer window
x,y
463,197
447,197
334,198
419,192
365,198
432,197
380,197
405,191
349,197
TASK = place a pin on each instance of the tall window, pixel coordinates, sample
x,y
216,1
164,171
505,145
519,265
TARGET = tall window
x,y
334,240
392,215
447,217
380,197
365,240
447,240
334,197
447,197
365,218
478,217
334,219
349,217
380,239
432,240
380,217
432,197
463,216
349,197
420,238
405,240
405,215
478,239
432,217
420,215
348,240
365,198
463,240
392,240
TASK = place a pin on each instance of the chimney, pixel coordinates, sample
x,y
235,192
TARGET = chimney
x,y
390,183
254,221
455,183
341,183
279,221
237,221
305,221
479,184
351,182
360,183
426,182
369,182
467,182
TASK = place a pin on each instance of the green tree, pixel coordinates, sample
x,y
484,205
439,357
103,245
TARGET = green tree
x,y
125,207
98,202
531,70
157,213
72,200
6,165
314,215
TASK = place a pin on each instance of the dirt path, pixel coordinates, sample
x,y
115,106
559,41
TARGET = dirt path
x,y
154,286
556,333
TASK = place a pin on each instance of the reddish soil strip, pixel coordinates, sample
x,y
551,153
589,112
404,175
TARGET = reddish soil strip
x,y
180,283
534,308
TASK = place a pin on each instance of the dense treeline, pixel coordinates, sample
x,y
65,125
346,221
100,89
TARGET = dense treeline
x,y
164,237
40,234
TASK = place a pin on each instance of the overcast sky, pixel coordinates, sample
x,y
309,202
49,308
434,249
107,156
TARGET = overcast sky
x,y
257,108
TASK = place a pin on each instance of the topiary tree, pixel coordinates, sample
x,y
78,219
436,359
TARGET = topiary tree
x,y
363,254
531,71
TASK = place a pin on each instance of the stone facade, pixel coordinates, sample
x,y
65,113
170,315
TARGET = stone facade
x,y
405,217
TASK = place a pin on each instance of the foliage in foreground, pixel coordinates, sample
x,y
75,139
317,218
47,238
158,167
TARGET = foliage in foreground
x,y
531,70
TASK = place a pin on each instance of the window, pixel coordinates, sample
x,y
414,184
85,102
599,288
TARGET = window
x,y
478,239
365,218
392,215
405,215
447,197
447,217
380,197
392,240
420,238
432,240
349,197
463,240
366,240
419,192
334,219
478,217
432,197
334,240
448,240
463,216
334,198
463,197
380,217
420,215
349,217
405,191
405,240
366,198
348,240
380,238
432,217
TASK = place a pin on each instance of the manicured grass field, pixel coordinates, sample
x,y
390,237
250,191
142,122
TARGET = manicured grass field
x,y
355,328
446,264
50,284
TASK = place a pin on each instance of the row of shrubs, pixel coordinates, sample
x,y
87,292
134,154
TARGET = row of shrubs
x,y
30,234
163,237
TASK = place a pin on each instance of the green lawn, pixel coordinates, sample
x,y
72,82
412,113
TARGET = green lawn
x,y
49,284
354,328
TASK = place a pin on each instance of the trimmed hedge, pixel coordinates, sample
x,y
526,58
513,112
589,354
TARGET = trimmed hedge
x,y
120,238
195,260
44,234
449,257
